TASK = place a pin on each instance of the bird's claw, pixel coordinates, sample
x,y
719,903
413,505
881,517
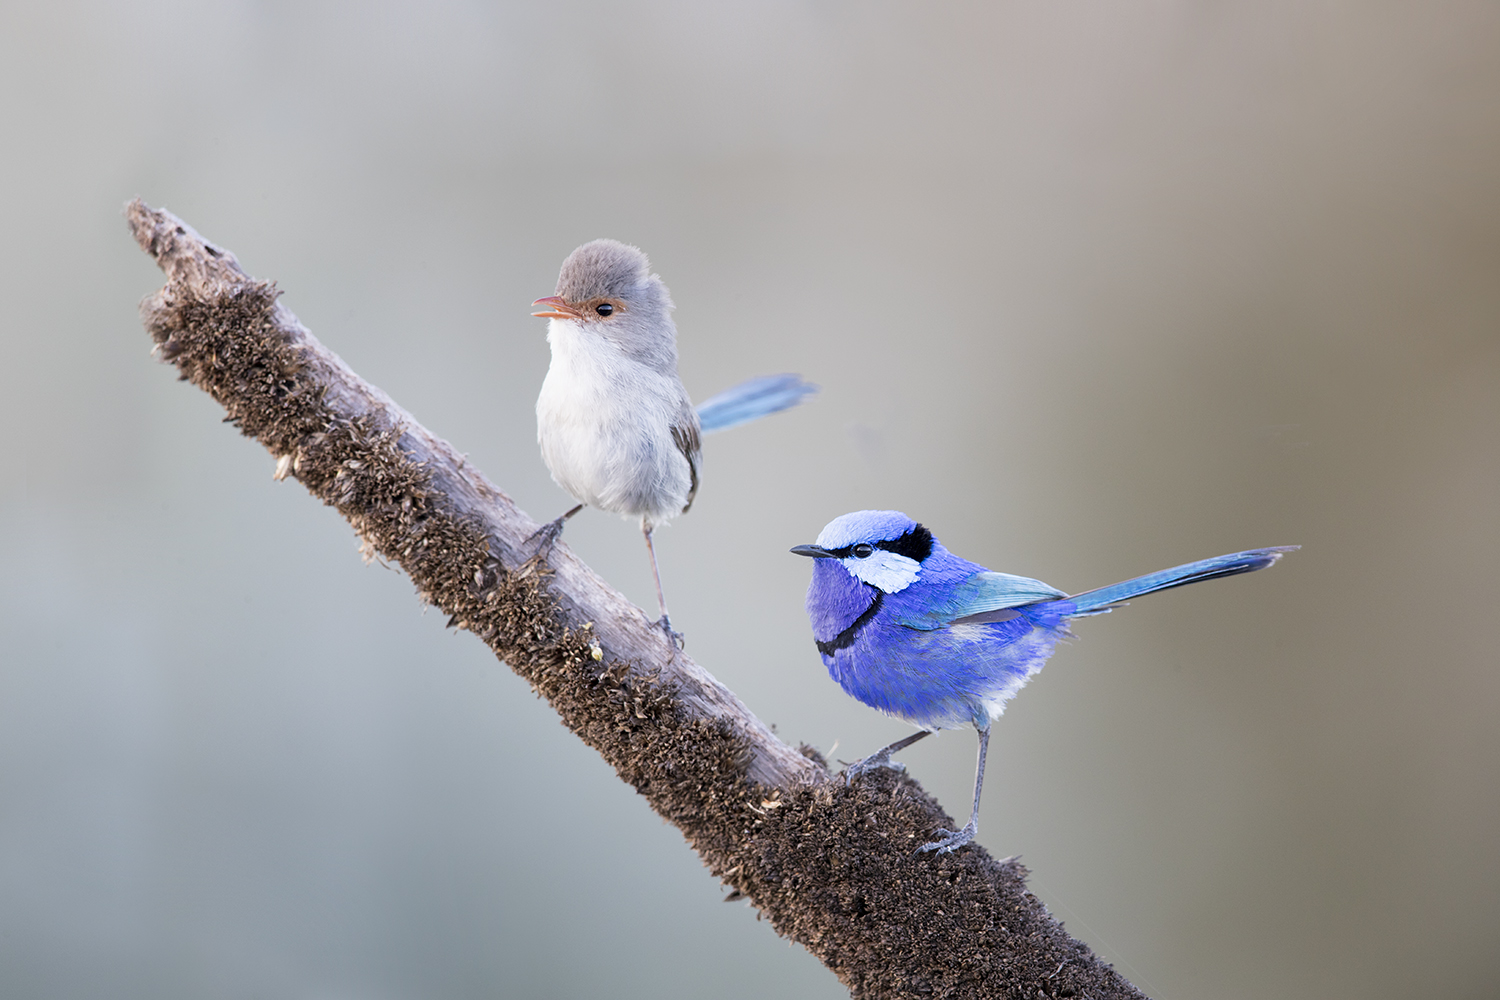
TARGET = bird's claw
x,y
665,624
546,536
951,840
870,763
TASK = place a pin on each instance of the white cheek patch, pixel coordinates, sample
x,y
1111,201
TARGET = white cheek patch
x,y
890,571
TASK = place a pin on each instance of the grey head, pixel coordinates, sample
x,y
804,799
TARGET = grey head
x,y
607,288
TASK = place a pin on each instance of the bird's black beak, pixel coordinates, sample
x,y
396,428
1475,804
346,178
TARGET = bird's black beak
x,y
816,551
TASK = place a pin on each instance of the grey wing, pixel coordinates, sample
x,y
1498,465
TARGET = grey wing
x,y
689,441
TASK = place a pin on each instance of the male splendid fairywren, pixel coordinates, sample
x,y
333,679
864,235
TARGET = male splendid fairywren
x,y
909,628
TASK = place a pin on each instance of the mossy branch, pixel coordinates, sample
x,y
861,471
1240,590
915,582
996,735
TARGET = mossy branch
x,y
831,866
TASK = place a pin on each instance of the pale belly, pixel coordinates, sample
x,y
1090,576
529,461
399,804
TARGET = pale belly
x,y
944,678
611,456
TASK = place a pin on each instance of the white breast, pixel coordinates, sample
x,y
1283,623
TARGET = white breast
x,y
604,426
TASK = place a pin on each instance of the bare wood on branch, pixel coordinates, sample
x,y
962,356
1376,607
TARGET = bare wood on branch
x,y
831,866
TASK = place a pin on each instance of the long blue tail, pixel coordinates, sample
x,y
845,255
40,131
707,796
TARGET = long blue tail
x,y
1093,602
752,400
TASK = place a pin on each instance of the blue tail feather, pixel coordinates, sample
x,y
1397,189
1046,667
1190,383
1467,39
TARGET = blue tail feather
x,y
752,400
1093,602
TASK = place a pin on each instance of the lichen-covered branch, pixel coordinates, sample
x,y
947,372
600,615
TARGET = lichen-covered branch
x,y
832,867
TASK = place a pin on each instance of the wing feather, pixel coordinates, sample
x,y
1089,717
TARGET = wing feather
x,y
685,436
983,597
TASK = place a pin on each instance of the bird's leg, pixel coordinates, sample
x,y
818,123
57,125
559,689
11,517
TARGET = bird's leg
x,y
661,602
882,758
548,532
951,840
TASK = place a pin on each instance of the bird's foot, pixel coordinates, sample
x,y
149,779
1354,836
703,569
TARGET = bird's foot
x,y
878,759
665,624
546,536
949,840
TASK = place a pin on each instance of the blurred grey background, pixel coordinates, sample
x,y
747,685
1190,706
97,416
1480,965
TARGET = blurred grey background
x,y
1092,289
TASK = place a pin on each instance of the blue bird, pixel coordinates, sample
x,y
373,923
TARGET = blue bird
x,y
909,628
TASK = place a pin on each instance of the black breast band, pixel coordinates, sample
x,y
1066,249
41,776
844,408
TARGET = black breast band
x,y
846,637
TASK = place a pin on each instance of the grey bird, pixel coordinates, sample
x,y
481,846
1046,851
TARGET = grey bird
x,y
616,427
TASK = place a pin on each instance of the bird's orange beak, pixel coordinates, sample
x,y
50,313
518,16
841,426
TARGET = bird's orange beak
x,y
559,308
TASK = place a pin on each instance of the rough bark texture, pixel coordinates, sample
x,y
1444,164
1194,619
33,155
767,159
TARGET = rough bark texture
x,y
831,866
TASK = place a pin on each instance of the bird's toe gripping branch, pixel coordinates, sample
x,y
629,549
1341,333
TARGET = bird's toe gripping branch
x,y
875,761
951,840
882,757
547,535
665,624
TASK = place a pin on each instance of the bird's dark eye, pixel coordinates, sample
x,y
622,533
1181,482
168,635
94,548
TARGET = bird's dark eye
x,y
863,551
604,309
